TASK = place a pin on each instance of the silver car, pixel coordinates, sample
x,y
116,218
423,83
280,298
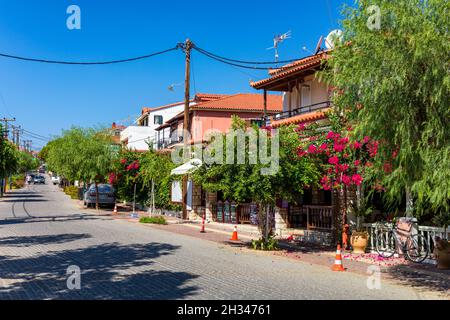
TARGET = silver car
x,y
106,196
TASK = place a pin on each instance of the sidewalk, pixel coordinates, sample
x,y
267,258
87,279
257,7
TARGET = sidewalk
x,y
425,276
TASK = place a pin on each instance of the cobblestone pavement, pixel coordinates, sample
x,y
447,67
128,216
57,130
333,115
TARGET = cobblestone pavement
x,y
43,232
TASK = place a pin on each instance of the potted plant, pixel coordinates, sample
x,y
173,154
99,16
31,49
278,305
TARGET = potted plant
x,y
360,237
442,246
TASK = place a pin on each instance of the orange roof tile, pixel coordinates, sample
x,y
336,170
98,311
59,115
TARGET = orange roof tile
x,y
243,102
307,117
199,97
209,96
297,66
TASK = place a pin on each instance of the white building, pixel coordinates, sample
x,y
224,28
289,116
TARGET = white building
x,y
139,137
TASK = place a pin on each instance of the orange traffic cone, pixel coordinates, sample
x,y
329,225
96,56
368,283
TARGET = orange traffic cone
x,y
203,225
115,209
338,266
234,237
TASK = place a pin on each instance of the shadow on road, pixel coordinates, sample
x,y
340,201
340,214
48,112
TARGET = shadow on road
x,y
55,218
20,196
439,282
41,240
24,200
108,271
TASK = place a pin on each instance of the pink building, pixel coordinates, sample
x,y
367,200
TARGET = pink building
x,y
214,112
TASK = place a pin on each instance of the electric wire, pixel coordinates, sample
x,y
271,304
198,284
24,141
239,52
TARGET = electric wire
x,y
87,63
242,61
236,64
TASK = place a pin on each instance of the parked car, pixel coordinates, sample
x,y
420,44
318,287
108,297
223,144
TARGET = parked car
x,y
106,196
39,180
56,180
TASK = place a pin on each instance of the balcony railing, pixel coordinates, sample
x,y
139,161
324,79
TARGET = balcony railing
x,y
303,110
165,143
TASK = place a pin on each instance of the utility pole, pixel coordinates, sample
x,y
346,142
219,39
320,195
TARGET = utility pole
x,y
18,132
187,47
16,135
5,120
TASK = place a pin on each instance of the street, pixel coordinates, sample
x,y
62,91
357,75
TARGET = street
x,y
43,232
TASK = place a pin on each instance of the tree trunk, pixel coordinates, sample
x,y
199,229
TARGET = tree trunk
x,y
409,203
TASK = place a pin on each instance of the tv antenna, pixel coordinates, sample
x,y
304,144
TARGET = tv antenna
x,y
277,40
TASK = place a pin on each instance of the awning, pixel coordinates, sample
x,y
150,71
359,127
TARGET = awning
x,y
189,167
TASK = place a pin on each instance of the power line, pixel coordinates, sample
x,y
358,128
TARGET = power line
x,y
242,61
35,134
235,64
87,63
34,137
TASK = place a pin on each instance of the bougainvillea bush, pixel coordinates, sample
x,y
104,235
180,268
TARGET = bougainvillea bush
x,y
140,169
344,160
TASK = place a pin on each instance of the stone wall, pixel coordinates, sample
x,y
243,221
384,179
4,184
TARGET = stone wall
x,y
197,209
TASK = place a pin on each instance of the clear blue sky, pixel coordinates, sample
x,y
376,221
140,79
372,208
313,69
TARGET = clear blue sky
x,y
48,98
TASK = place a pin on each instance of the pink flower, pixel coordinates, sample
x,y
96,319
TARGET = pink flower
x,y
373,149
330,135
301,152
346,180
344,167
344,140
333,160
366,139
339,147
357,179
357,163
301,127
123,161
112,178
312,149
357,145
323,147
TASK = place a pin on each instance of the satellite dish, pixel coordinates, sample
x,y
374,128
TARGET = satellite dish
x,y
333,38
319,45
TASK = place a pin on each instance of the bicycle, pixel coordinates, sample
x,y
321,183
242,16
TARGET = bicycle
x,y
415,247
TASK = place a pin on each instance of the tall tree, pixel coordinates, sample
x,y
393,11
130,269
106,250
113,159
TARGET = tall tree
x,y
392,79
244,182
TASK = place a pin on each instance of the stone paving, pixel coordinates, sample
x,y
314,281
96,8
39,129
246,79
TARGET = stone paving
x,y
43,233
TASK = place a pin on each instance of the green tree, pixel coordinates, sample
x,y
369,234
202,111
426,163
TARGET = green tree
x,y
244,182
394,83
9,160
81,154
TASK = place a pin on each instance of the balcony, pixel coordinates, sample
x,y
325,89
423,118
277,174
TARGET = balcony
x,y
302,110
168,142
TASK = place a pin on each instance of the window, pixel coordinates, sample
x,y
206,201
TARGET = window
x,y
158,120
144,122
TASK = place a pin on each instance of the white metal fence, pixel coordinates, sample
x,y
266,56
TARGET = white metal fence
x,y
428,232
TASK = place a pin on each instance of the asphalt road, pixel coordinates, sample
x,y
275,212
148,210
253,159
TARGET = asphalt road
x,y
43,233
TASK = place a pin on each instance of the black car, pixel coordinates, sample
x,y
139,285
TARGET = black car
x,y
39,180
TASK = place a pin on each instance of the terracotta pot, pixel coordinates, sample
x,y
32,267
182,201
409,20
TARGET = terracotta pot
x,y
442,255
359,241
